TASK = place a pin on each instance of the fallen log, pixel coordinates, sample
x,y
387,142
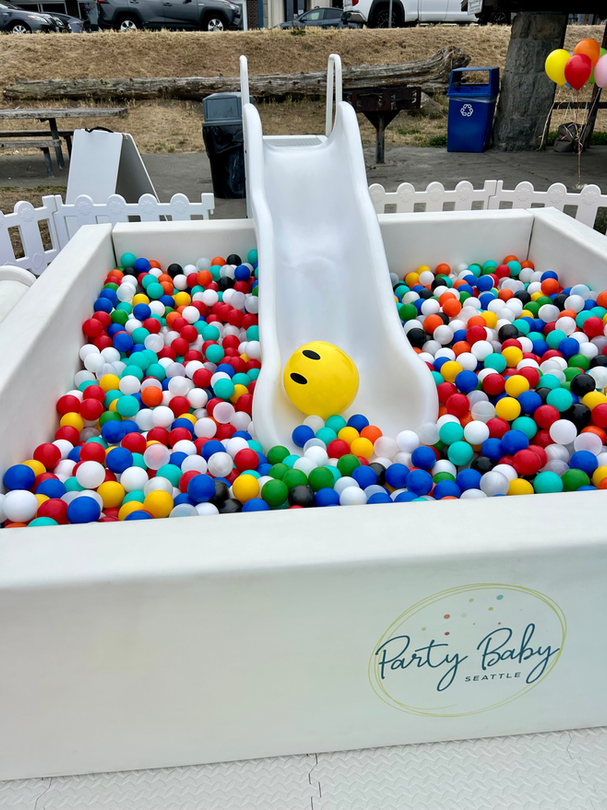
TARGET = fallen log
x,y
431,74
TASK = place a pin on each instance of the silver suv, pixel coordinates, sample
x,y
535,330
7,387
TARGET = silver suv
x,y
208,15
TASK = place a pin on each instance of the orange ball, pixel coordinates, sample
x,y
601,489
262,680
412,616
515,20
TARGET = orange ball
x,y
442,269
116,274
154,263
460,347
568,313
164,277
477,320
167,286
171,318
602,485
597,431
550,286
458,283
601,299
204,278
151,396
452,307
217,261
505,295
371,432
510,258
527,263
442,411
432,322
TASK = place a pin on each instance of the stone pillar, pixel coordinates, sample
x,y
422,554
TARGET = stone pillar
x,y
526,91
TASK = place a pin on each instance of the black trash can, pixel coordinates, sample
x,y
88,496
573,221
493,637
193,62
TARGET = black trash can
x,y
224,142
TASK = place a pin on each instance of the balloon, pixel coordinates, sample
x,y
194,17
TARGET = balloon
x,y
590,48
555,65
578,70
600,72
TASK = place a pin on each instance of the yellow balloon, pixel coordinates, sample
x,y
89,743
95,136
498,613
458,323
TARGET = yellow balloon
x,y
320,379
555,65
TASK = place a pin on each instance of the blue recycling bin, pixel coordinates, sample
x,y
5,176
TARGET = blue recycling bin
x,y
471,108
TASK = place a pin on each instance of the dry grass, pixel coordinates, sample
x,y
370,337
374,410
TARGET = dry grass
x,y
175,126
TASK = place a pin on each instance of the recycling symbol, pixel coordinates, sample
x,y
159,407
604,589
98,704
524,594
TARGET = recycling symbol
x,y
467,110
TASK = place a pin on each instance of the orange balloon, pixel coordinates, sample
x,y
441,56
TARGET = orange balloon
x,y
590,48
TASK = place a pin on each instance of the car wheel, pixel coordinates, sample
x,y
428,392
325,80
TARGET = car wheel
x,y
382,17
128,24
214,23
501,18
20,28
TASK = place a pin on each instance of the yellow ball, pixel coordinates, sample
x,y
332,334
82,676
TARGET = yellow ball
x,y
507,408
112,494
450,370
140,298
41,499
245,487
128,507
423,268
348,434
109,382
411,279
320,379
362,447
182,299
516,385
593,399
490,319
536,295
526,313
72,420
520,487
598,475
37,466
513,356
239,390
189,416
158,503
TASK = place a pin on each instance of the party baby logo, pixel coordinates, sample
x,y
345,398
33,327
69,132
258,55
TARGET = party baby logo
x,y
467,650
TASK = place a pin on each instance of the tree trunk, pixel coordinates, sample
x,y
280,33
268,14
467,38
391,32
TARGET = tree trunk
x,y
432,75
527,93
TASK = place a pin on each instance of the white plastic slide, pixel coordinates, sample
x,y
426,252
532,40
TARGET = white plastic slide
x,y
324,275
14,283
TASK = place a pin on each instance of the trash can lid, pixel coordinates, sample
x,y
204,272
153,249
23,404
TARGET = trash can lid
x,y
491,88
222,107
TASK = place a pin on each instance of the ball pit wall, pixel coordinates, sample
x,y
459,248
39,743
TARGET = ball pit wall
x,y
243,636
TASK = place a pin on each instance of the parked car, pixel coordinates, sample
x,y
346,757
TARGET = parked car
x,y
319,18
15,20
375,13
489,14
208,15
75,24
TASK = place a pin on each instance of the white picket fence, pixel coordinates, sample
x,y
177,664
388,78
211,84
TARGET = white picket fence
x,y
464,197
64,220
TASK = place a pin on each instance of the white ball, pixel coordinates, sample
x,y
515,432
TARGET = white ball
x,y
190,314
386,446
185,446
156,456
205,428
345,482
234,446
180,386
183,510
192,462
494,483
20,505
482,349
203,264
223,412
563,431
407,440
318,455
428,433
352,496
589,442
163,416
90,474
197,397
64,447
314,422
144,419
305,464
476,432
129,385
220,464
205,509
133,478
506,470
158,483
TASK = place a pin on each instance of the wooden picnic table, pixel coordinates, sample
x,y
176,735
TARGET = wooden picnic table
x,y
51,115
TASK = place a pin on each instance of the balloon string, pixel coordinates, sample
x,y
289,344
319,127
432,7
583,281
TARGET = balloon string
x,y
579,141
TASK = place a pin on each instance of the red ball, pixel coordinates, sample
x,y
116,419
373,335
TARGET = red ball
x,y
158,434
179,434
526,462
189,333
599,415
92,328
541,453
337,448
445,390
235,318
542,438
249,320
48,454
103,342
103,318
511,342
497,427
245,402
531,374
192,354
246,459
91,409
202,378
178,324
502,271
545,415
134,442
231,342
69,433
94,392
186,478
225,432
180,346
458,404
192,279
152,325
68,403
593,327
493,384
167,351
54,508
476,333
212,403
92,451
179,405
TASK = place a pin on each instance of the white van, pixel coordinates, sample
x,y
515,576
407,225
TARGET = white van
x,y
375,13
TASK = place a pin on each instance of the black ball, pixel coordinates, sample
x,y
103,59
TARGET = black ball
x,y
482,464
225,283
444,318
234,259
582,384
425,293
599,360
559,301
523,296
229,507
174,270
579,414
301,495
380,472
221,493
507,332
417,337
543,393
130,271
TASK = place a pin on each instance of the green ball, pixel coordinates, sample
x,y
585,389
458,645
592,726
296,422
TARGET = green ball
x,y
347,464
533,307
570,373
451,432
277,454
443,476
574,479
109,416
336,423
274,493
171,472
294,478
408,312
321,477
127,406
215,353
278,471
560,399
460,453
223,388
547,482
128,260
326,435
579,361
119,316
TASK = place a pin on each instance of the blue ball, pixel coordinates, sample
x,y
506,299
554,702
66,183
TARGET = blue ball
x,y
201,488
301,435
468,479
358,422
405,497
529,401
549,274
210,447
140,514
584,460
484,283
83,509
113,329
177,459
380,497
103,305
183,423
264,468
183,497
419,481
51,487
365,476
569,347
128,425
466,381
141,311
240,434
423,457
110,294
113,432
74,454
440,362
446,489
397,474
119,459
492,448
326,497
141,265
122,341
587,488
513,441
255,505
226,368
19,476
242,273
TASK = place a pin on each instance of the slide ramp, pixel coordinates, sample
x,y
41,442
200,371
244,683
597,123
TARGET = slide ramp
x,y
324,276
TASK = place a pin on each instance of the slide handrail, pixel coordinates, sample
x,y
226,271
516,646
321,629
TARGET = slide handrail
x,y
333,69
244,80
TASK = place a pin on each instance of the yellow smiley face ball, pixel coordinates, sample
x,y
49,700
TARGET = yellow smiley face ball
x,y
320,379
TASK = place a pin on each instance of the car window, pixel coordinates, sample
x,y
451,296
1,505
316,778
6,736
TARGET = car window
x,y
313,16
333,13
9,6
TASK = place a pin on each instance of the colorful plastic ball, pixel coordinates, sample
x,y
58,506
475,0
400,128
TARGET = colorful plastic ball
x,y
574,479
138,514
112,494
327,497
159,503
255,505
83,509
301,435
201,488
20,505
322,477
420,482
364,476
423,457
19,476
460,453
274,493
52,488
585,461
90,474
43,521
494,483
468,479
320,379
